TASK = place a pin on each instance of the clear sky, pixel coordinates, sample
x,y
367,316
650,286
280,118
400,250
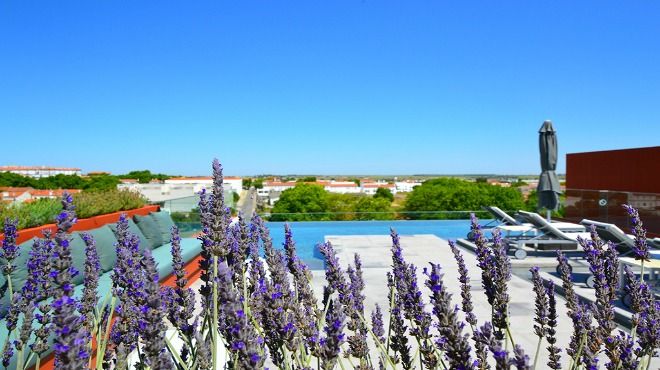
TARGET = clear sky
x,y
324,87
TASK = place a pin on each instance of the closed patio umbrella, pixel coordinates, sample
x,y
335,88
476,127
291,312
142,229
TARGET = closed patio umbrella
x,y
548,189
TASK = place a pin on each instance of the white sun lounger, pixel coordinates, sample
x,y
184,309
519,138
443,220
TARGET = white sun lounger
x,y
544,232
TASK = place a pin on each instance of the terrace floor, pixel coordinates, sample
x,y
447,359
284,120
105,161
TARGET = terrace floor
x,y
421,249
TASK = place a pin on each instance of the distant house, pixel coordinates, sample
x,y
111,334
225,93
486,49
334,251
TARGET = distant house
x,y
26,194
15,194
406,186
370,188
40,171
342,187
269,186
206,182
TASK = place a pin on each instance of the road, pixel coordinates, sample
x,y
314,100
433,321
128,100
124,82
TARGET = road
x,y
248,203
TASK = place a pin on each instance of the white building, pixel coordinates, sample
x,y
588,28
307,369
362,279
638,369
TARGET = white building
x,y
40,171
199,183
406,186
342,187
371,187
280,186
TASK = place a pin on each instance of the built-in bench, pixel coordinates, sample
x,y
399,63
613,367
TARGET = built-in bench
x,y
149,224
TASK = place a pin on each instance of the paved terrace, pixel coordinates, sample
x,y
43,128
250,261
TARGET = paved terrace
x,y
420,249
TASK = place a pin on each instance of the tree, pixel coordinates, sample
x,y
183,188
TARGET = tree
x,y
236,197
384,193
458,195
367,208
247,183
258,183
304,202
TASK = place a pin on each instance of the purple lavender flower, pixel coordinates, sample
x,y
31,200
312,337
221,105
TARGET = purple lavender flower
x,y
9,250
485,259
241,336
398,341
484,340
334,276
71,337
179,302
277,315
646,315
358,347
452,341
641,248
306,311
330,344
541,303
128,286
206,261
501,274
152,327
551,329
603,308
217,231
520,359
377,326
464,279
91,282
405,281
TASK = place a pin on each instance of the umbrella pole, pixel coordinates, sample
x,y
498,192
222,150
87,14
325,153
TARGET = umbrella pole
x,y
548,212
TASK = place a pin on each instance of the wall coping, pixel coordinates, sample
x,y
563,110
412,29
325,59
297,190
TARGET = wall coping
x,y
83,224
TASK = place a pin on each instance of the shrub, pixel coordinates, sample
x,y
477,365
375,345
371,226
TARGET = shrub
x,y
87,203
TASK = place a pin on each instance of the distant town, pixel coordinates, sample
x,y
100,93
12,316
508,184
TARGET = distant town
x,y
179,193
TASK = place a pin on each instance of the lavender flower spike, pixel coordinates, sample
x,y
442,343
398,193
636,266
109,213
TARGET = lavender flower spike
x,y
9,249
334,335
153,333
452,341
464,279
641,248
551,329
91,282
71,336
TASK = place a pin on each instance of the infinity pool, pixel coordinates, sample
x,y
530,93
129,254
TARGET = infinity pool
x,y
308,234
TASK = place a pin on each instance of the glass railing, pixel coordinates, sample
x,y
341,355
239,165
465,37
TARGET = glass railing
x,y
606,206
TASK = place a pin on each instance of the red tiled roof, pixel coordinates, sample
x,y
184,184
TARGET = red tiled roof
x,y
378,185
346,185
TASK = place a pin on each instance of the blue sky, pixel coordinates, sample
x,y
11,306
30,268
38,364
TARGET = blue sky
x,y
351,87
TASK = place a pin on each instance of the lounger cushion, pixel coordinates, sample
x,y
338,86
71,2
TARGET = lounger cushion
x,y
165,223
150,229
135,230
190,248
77,249
105,246
18,276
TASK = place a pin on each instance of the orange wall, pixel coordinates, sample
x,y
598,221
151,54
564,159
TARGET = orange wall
x,y
83,224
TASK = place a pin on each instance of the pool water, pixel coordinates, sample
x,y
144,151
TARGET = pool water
x,y
310,233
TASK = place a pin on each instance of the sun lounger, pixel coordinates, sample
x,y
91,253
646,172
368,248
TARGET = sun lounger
x,y
548,235
502,217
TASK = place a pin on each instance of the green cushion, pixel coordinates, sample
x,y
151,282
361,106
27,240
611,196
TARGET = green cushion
x,y
165,223
133,229
105,285
190,248
105,246
77,247
18,276
150,229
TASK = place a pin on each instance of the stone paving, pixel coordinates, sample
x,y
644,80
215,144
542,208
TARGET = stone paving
x,y
419,250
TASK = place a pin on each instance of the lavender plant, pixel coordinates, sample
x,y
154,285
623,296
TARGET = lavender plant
x,y
258,303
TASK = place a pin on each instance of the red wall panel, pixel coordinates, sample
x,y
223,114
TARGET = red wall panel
x,y
633,170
